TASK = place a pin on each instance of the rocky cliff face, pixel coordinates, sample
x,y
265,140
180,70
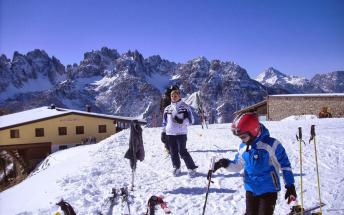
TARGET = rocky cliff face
x,y
130,85
224,87
280,82
330,82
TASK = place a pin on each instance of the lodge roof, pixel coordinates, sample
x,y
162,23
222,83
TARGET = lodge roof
x,y
310,95
252,107
48,112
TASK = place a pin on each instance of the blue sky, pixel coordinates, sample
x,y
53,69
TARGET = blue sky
x,y
297,37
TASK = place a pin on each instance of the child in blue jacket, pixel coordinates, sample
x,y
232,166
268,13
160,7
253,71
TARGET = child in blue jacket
x,y
262,157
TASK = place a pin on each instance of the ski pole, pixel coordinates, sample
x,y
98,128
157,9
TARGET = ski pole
x,y
210,172
316,163
132,179
299,138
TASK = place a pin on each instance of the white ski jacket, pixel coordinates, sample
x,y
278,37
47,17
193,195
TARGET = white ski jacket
x,y
176,112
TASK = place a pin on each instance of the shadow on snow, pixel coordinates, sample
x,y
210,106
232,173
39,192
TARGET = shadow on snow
x,y
199,190
216,150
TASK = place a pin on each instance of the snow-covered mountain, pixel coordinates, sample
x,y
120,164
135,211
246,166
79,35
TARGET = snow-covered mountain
x,y
33,72
224,87
85,175
329,82
124,84
275,79
130,85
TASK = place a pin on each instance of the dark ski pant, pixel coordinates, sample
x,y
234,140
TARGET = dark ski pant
x,y
164,140
177,144
260,205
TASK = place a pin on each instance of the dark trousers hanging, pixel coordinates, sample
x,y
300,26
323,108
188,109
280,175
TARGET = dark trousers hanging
x,y
260,205
177,144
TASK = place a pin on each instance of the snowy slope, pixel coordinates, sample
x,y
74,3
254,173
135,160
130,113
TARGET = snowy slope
x,y
84,175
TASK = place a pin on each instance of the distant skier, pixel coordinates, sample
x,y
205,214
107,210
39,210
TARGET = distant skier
x,y
262,157
176,118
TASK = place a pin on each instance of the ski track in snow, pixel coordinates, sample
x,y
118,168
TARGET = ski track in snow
x,y
85,175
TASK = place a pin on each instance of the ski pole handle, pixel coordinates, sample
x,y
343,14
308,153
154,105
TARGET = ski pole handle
x,y
312,130
300,133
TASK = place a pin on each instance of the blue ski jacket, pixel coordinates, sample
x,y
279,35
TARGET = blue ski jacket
x,y
262,164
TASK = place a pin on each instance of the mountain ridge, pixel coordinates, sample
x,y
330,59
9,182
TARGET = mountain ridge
x,y
130,85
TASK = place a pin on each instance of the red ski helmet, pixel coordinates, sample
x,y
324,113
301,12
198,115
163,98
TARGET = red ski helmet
x,y
246,123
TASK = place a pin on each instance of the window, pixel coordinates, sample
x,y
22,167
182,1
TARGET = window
x,y
79,129
62,131
14,133
101,128
39,132
63,147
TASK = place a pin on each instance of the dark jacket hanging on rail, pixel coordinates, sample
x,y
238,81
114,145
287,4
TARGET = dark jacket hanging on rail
x,y
136,150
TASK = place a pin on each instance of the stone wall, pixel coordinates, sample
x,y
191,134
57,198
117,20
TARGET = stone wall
x,y
280,107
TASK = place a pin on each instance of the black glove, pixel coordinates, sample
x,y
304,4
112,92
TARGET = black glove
x,y
223,162
163,137
184,112
179,121
290,192
210,172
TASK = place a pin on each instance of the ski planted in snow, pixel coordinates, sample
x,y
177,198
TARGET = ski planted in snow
x,y
124,194
113,200
201,111
110,202
296,210
154,201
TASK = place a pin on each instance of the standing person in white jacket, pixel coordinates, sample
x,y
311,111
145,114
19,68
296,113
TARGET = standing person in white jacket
x,y
176,118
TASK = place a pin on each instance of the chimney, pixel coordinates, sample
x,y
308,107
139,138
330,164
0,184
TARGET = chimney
x,y
52,106
88,108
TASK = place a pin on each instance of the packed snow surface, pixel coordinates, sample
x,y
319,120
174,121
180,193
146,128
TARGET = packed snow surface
x,y
84,175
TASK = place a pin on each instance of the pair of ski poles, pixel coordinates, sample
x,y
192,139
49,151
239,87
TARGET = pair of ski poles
x,y
299,138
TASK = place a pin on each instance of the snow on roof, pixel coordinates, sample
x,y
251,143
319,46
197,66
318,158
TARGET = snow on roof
x,y
310,95
47,112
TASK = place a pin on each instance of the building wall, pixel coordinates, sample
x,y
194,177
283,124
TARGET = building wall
x,y
280,107
27,132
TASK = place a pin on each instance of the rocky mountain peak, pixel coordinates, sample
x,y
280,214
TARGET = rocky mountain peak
x,y
270,76
234,72
5,64
329,82
200,66
155,64
273,78
96,63
4,59
35,66
37,54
